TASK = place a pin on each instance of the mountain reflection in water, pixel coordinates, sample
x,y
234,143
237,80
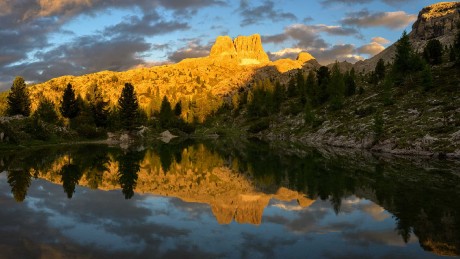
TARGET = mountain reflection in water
x,y
301,201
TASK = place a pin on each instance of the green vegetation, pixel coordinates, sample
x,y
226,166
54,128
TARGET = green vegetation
x,y
69,106
128,108
18,98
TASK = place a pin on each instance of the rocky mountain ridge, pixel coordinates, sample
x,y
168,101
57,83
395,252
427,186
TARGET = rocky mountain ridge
x,y
439,21
200,82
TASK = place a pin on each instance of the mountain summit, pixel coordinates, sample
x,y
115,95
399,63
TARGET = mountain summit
x,y
438,21
246,50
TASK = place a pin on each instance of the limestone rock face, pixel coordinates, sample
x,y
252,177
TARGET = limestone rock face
x,y
223,48
246,50
436,21
304,57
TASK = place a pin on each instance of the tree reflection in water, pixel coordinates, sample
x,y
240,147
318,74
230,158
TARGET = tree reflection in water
x,y
424,202
128,169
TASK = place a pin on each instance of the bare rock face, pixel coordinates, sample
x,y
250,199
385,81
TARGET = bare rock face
x,y
223,48
304,57
437,21
246,50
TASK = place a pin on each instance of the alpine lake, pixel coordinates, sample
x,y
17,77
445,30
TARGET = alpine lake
x,y
226,199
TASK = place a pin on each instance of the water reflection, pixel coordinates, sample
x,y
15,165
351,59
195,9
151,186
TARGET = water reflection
x,y
253,183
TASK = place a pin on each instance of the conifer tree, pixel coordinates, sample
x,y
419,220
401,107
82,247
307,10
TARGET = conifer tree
x,y
46,111
18,99
336,88
323,76
69,105
312,88
350,82
128,107
178,108
166,113
99,107
380,70
403,56
433,52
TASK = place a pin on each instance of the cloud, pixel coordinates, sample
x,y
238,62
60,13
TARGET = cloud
x,y
149,25
372,49
85,55
392,20
258,14
380,40
341,52
308,36
193,49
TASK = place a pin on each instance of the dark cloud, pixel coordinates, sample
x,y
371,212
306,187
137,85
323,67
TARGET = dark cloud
x,y
26,27
84,55
149,25
261,13
392,20
193,49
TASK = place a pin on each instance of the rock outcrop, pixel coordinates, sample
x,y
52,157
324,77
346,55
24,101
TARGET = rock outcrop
x,y
438,21
246,50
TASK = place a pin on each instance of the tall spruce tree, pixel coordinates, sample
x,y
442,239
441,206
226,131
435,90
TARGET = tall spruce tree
x,y
380,70
99,107
69,105
336,87
433,52
403,56
18,99
166,113
128,107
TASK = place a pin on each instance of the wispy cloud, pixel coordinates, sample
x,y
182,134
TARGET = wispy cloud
x,y
392,20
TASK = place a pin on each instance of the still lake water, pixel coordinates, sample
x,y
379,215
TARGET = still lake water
x,y
212,200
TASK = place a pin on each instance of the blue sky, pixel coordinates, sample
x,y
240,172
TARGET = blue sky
x,y
43,39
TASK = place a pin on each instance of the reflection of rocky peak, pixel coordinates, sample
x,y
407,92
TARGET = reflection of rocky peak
x,y
437,21
245,49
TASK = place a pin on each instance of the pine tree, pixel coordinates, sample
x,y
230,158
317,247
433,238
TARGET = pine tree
x,y
433,52
166,113
323,76
128,107
46,111
336,88
312,88
403,56
380,70
18,99
69,106
350,82
178,108
99,107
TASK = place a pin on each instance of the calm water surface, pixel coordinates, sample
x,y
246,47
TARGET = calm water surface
x,y
212,200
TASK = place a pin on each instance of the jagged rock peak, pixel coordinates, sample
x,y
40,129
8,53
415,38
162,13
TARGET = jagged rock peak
x,y
223,47
304,57
437,20
246,49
